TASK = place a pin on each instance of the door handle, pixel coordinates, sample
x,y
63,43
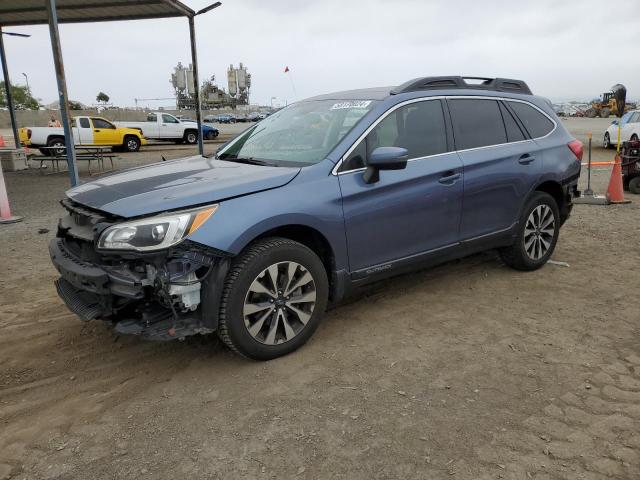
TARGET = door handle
x,y
449,178
526,159
97,131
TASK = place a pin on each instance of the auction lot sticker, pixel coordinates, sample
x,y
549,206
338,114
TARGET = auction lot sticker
x,y
351,104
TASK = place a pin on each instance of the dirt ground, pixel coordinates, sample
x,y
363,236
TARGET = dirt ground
x,y
470,370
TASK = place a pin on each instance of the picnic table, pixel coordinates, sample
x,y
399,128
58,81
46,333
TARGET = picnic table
x,y
88,153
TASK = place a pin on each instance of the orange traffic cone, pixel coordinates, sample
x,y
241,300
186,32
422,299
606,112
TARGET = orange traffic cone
x,y
2,144
615,192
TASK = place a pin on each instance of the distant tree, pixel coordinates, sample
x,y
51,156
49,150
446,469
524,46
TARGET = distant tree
x,y
102,97
73,105
22,99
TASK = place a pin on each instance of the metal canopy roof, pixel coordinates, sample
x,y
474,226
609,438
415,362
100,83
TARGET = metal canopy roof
x,y
33,12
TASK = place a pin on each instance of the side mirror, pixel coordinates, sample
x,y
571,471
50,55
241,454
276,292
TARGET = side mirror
x,y
384,158
615,122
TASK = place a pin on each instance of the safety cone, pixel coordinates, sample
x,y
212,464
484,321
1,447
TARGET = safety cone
x,y
2,144
615,192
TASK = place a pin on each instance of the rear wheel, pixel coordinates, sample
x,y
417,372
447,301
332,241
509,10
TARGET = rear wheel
x,y
634,185
539,227
131,143
56,146
273,300
634,138
605,112
191,137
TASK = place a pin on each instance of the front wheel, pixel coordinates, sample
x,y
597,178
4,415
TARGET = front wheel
x,y
538,231
131,144
606,142
273,300
634,185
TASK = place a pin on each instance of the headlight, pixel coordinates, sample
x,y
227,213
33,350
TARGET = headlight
x,y
154,233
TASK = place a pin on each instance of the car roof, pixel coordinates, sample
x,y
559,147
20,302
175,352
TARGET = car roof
x,y
431,86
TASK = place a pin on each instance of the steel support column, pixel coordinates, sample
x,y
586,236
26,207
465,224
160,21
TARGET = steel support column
x,y
7,87
62,91
196,81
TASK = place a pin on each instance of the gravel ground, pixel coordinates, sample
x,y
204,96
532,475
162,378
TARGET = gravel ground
x,y
469,370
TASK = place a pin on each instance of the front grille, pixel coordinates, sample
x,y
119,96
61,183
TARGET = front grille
x,y
80,228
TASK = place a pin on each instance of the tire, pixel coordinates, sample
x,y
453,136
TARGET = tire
x,y
634,138
528,251
56,146
634,185
605,113
191,137
249,286
606,142
131,143
590,113
210,135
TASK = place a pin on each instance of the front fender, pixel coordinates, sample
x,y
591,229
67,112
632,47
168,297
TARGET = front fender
x,y
312,200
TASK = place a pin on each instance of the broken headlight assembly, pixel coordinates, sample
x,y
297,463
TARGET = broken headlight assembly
x,y
154,233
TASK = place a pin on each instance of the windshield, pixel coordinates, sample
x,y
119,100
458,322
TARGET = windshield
x,y
301,134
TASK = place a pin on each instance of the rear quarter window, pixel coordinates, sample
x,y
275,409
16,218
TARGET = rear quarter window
x,y
537,124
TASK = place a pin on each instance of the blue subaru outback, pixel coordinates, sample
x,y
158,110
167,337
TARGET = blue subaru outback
x,y
316,200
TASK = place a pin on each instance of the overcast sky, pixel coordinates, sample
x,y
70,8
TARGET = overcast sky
x,y
569,49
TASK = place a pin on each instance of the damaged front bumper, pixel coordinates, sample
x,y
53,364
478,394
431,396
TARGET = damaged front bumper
x,y
160,296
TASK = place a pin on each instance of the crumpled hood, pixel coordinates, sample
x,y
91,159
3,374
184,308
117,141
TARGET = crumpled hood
x,y
177,184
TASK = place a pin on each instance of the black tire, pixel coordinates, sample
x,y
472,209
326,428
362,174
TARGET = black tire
x,y
191,137
56,146
634,185
131,143
606,142
634,138
244,271
210,135
516,255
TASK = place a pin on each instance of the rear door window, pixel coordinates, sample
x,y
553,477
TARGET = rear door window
x,y
477,123
84,123
536,123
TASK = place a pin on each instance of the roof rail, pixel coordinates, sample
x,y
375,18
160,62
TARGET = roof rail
x,y
480,83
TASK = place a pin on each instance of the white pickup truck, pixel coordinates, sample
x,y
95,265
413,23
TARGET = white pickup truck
x,y
164,126
90,131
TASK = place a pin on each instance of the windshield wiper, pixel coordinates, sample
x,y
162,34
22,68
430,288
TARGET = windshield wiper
x,y
248,160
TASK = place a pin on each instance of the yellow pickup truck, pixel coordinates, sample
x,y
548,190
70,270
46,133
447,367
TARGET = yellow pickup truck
x,y
85,131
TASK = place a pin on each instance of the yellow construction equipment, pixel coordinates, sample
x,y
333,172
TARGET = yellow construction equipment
x,y
605,106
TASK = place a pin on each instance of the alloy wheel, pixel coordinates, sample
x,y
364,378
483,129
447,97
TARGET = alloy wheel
x,y
539,231
132,145
279,303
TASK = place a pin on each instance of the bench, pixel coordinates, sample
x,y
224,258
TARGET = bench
x,y
57,154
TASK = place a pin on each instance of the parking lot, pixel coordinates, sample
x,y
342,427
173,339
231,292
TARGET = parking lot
x,y
469,370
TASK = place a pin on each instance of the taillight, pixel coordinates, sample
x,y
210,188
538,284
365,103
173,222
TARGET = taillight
x,y
29,133
577,148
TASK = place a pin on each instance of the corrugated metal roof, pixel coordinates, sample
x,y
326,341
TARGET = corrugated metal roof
x,y
33,12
